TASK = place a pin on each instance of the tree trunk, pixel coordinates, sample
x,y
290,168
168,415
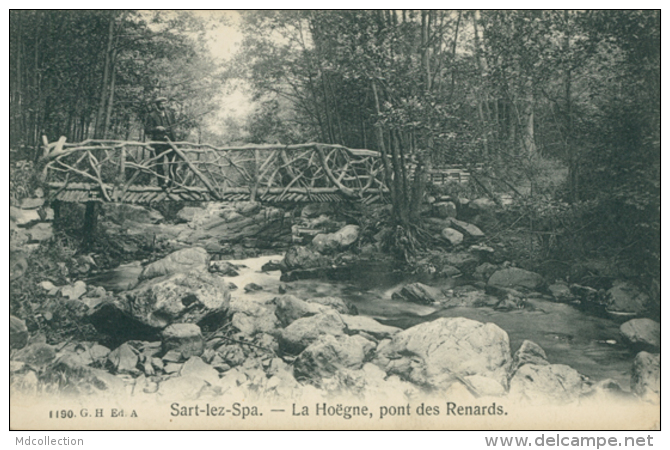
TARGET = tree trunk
x,y
569,145
453,55
514,122
90,223
403,166
37,92
425,48
529,116
418,188
18,89
388,174
483,109
319,121
329,121
110,101
400,207
336,108
361,120
105,76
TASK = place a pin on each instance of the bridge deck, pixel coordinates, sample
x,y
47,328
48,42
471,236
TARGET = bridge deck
x,y
86,192
130,172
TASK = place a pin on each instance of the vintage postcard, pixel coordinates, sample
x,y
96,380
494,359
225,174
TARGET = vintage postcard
x,y
360,219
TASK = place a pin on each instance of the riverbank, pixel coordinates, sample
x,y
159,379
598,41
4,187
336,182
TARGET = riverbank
x,y
331,317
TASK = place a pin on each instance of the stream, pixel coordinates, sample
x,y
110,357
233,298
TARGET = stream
x,y
588,343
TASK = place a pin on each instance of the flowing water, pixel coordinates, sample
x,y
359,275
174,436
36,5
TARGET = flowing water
x,y
588,343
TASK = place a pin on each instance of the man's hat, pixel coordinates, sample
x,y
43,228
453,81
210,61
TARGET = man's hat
x,y
160,99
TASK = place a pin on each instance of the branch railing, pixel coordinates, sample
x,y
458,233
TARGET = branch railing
x,y
128,171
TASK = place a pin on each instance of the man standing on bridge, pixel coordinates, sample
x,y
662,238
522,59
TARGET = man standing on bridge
x,y
159,126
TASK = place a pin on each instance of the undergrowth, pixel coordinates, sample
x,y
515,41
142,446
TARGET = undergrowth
x,y
53,261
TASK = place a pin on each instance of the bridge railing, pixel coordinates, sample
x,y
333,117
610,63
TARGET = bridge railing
x,y
448,173
128,171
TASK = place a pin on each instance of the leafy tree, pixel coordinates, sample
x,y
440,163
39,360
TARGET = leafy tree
x,y
531,95
86,74
344,74
622,177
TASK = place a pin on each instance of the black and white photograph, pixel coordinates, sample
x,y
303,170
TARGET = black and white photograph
x,y
386,219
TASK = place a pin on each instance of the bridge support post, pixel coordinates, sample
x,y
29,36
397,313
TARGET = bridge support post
x,y
55,206
90,222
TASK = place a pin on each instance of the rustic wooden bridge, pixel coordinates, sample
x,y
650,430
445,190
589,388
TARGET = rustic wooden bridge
x,y
128,172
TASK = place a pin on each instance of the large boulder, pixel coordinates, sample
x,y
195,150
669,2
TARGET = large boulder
x,y
182,297
185,338
123,359
123,278
438,353
303,258
183,387
546,384
529,353
482,204
32,203
449,272
40,232
252,287
484,271
418,293
224,268
189,213
561,292
18,237
302,332
607,390
642,333
18,332
467,228
74,291
515,278
23,380
368,325
114,318
182,260
242,222
444,210
80,379
470,297
336,303
645,380
23,217
334,242
289,308
197,368
37,354
251,316
454,237
329,354
627,298
588,295
86,352
369,382
466,262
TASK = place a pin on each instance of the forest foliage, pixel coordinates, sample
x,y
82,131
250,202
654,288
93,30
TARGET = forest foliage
x,y
92,74
560,108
